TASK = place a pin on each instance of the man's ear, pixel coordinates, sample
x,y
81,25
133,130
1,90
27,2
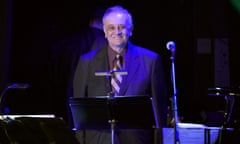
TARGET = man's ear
x,y
105,31
131,31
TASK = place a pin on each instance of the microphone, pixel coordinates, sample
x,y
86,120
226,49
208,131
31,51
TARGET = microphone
x,y
171,46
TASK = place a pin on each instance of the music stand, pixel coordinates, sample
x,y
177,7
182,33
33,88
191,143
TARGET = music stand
x,y
122,112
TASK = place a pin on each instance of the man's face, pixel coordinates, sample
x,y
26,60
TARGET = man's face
x,y
117,29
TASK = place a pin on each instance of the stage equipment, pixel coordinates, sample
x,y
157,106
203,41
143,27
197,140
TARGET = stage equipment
x,y
120,112
231,116
35,129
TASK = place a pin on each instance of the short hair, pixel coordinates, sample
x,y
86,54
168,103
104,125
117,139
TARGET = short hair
x,y
120,9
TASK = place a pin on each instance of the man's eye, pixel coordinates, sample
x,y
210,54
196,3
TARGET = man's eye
x,y
118,27
121,27
111,28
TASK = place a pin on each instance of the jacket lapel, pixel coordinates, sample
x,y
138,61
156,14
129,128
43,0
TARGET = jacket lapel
x,y
131,66
101,65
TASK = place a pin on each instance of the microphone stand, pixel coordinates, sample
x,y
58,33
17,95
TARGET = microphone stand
x,y
109,75
1,98
11,86
174,99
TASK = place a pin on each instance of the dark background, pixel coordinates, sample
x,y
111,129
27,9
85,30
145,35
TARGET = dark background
x,y
29,28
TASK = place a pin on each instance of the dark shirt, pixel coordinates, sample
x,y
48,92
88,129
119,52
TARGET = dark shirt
x,y
111,56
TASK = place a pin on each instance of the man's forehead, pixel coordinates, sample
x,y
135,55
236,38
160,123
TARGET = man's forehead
x,y
116,15
116,18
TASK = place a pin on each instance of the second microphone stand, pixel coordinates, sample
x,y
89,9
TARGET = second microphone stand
x,y
174,99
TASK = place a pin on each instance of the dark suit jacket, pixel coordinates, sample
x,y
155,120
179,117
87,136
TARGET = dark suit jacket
x,y
145,77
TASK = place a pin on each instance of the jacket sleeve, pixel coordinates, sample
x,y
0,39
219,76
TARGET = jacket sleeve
x,y
159,91
80,78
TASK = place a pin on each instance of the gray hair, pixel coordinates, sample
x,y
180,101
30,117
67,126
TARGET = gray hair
x,y
120,9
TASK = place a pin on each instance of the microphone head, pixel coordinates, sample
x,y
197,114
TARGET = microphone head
x,y
171,45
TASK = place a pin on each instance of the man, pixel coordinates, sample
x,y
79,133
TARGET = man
x,y
144,77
